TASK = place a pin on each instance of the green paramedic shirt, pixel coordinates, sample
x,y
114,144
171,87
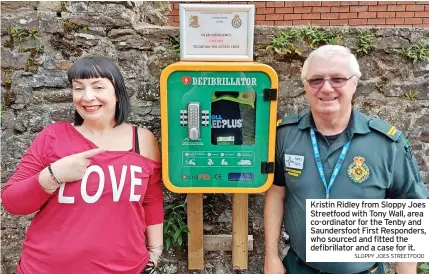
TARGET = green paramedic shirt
x,y
379,164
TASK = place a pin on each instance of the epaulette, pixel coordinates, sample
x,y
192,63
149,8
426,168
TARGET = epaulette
x,y
291,119
387,129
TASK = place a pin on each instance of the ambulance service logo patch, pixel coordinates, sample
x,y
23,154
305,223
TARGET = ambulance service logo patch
x,y
358,171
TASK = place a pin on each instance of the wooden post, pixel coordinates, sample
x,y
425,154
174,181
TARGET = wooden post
x,y
239,231
195,235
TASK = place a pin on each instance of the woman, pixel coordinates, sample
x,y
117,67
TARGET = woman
x,y
95,184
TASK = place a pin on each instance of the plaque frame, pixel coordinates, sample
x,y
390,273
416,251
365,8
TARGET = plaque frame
x,y
185,55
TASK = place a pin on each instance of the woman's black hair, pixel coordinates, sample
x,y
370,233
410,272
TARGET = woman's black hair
x,y
102,67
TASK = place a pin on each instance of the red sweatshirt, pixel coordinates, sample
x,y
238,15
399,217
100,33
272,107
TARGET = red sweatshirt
x,y
94,225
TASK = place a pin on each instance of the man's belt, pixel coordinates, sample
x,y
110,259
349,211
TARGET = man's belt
x,y
370,270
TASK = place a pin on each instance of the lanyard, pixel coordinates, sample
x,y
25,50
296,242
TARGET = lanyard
x,y
319,164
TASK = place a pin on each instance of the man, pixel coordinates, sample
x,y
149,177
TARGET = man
x,y
377,162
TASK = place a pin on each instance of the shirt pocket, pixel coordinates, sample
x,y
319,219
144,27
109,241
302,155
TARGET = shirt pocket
x,y
368,172
374,187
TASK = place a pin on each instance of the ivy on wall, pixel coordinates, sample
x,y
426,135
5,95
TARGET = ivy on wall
x,y
291,42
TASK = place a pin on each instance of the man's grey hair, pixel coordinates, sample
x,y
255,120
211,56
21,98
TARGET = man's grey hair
x,y
328,52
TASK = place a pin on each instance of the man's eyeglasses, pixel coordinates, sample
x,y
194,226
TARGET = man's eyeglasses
x,y
336,82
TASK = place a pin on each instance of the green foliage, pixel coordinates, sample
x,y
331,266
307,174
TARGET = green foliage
x,y
37,49
175,42
317,37
415,52
19,33
365,41
412,94
16,33
424,267
175,223
285,41
8,81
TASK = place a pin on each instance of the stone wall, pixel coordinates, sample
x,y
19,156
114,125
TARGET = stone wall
x,y
40,41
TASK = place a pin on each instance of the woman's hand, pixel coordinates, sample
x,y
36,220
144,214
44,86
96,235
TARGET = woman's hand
x,y
155,253
68,169
72,168
155,256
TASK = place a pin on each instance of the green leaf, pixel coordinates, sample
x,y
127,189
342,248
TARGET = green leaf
x,y
171,232
168,207
424,267
177,234
168,243
174,226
